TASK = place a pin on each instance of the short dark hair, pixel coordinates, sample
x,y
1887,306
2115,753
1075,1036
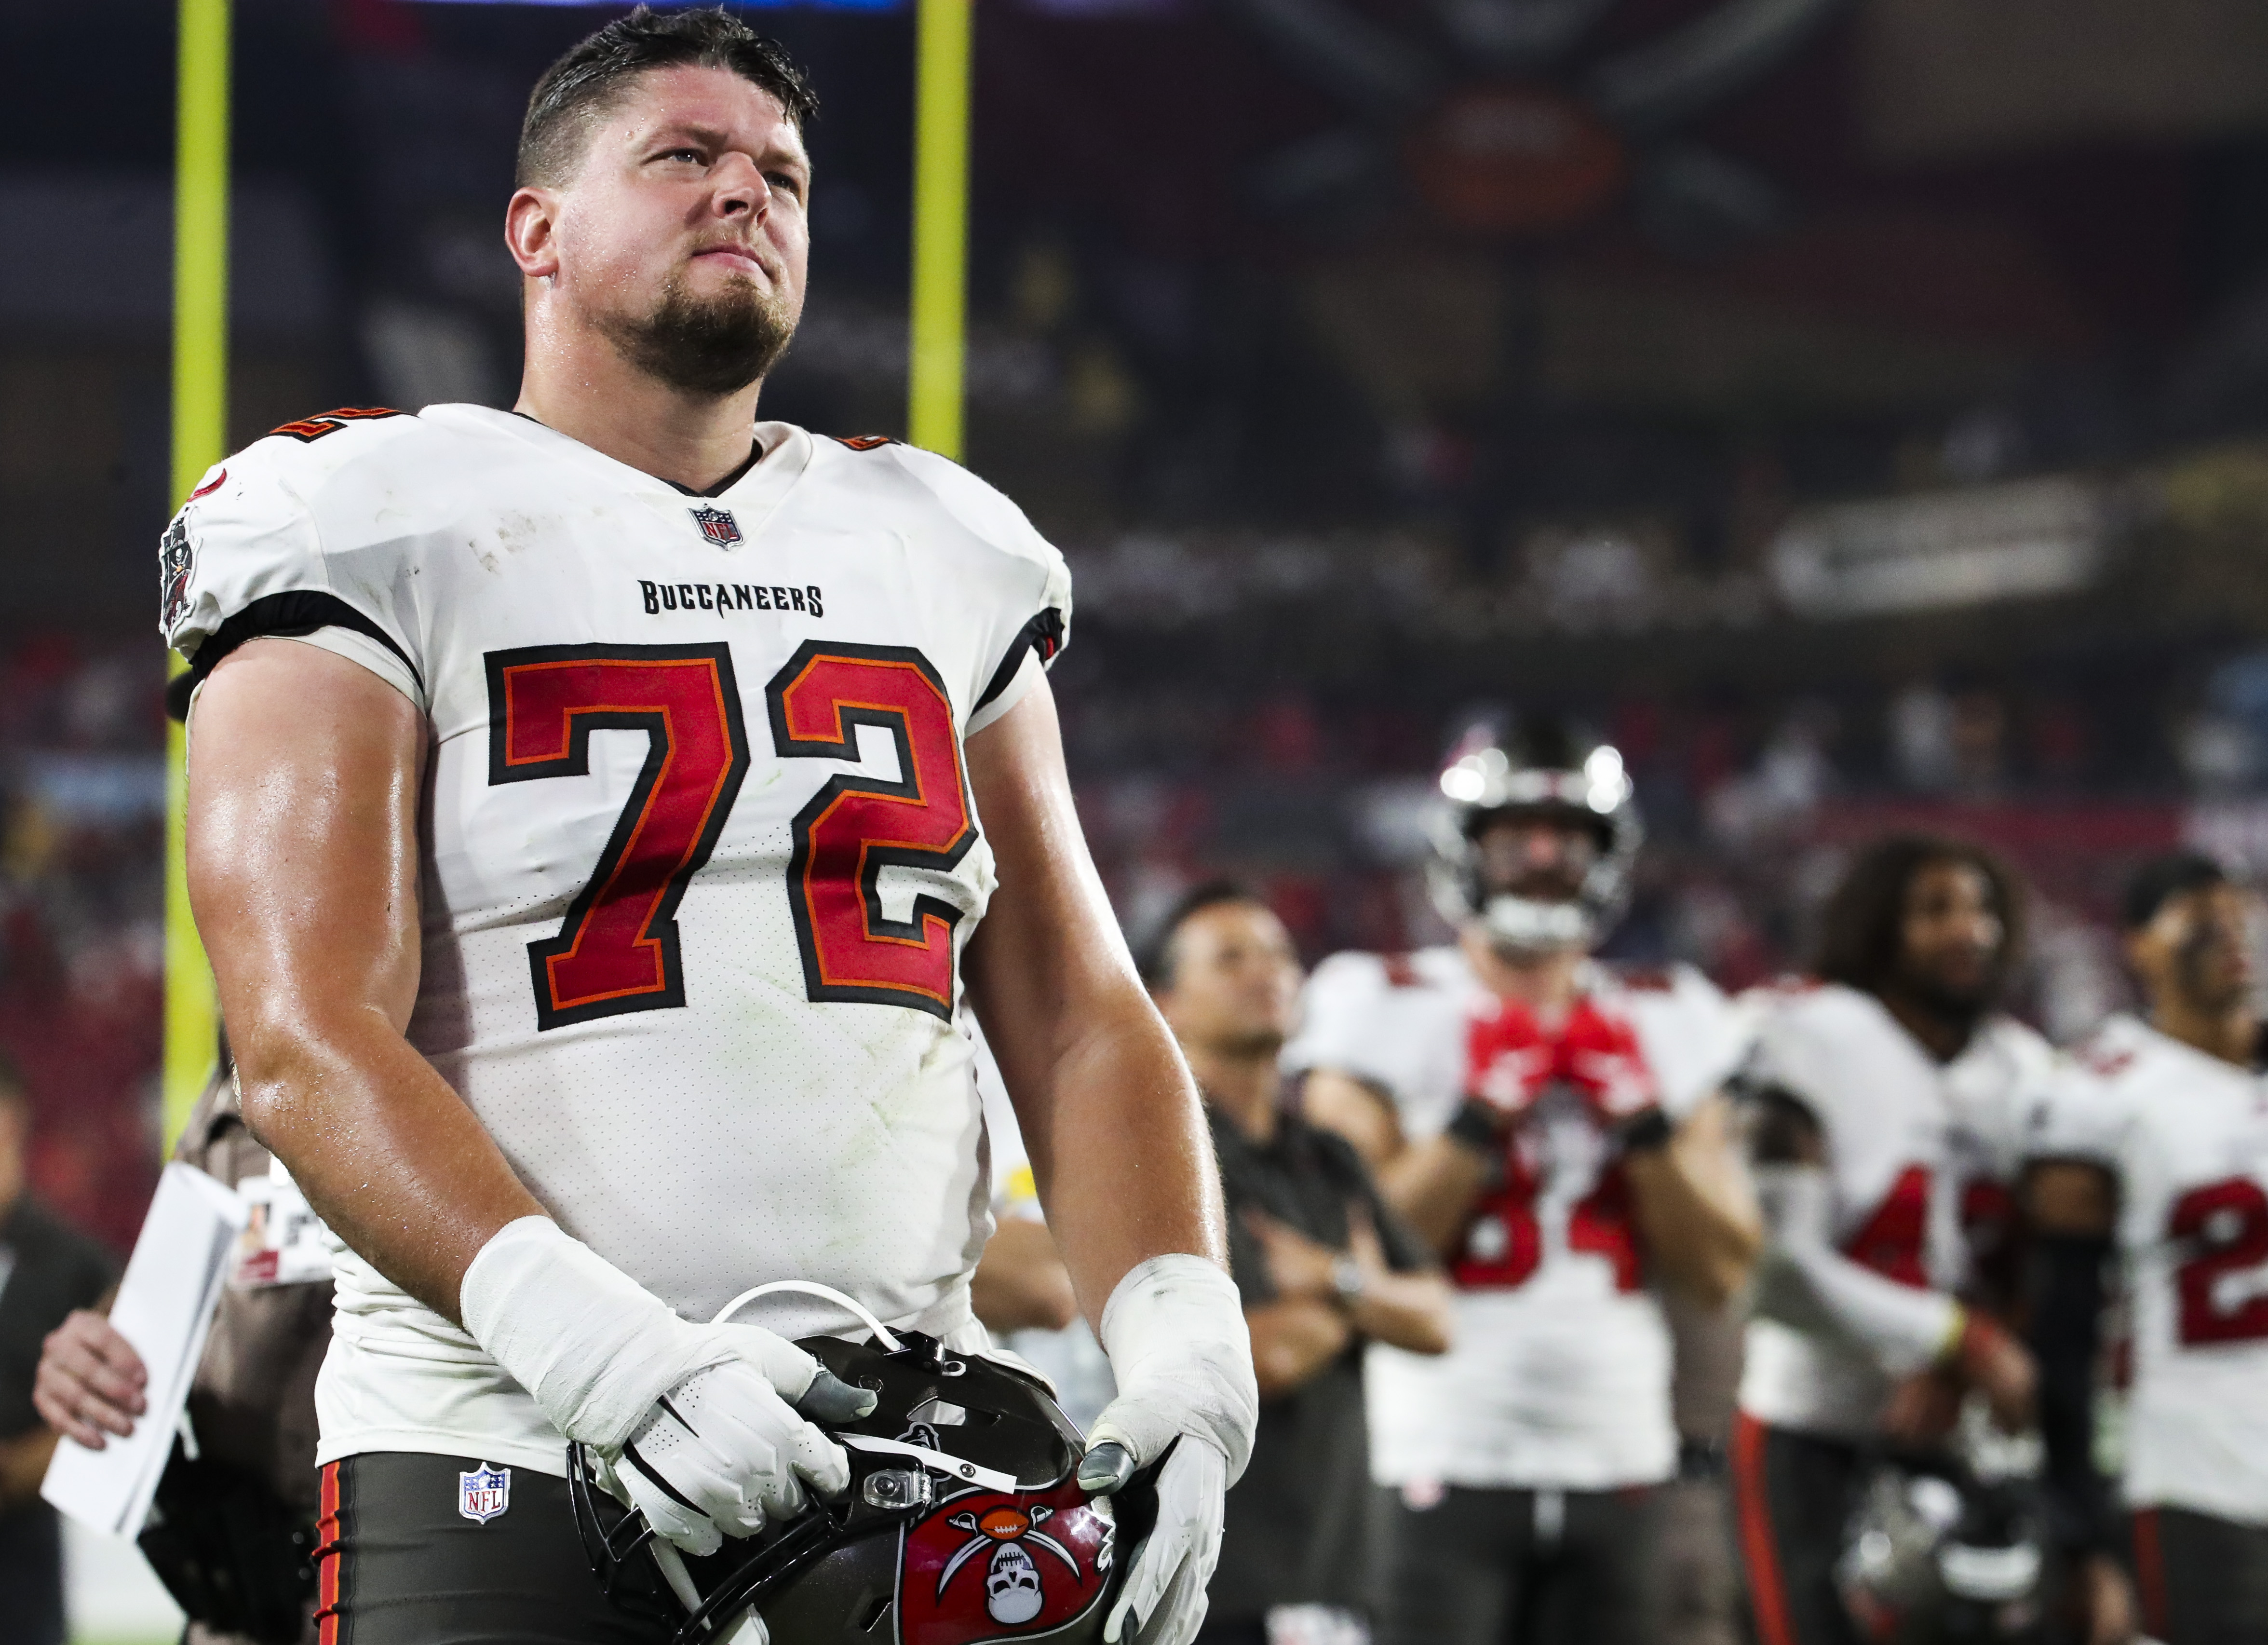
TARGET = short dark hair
x,y
1861,929
1156,959
2161,879
597,71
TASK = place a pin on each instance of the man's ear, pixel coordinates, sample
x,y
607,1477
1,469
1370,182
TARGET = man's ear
x,y
531,232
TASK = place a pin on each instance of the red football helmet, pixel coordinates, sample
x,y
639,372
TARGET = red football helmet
x,y
963,1522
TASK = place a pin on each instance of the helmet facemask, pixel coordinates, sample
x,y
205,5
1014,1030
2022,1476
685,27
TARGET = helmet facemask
x,y
1491,778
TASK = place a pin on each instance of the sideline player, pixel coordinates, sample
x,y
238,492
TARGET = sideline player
x,y
585,826
1553,1128
1890,1100
2157,1136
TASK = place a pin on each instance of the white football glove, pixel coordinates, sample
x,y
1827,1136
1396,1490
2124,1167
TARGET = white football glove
x,y
610,1365
1181,1354
721,1454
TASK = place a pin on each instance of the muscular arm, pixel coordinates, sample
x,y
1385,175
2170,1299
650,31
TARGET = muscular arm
x,y
1693,1201
1431,1184
304,777
1107,1106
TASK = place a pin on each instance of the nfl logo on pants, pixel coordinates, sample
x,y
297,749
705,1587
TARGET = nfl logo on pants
x,y
485,1493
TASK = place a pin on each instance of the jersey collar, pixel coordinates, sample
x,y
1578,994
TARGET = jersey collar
x,y
753,494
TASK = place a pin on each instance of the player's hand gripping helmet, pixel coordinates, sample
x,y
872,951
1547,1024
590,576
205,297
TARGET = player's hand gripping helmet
x,y
1931,1554
962,1522
1533,767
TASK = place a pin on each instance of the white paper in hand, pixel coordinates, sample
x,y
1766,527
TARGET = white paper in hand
x,y
164,1309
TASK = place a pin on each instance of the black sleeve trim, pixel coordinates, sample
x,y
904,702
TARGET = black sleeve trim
x,y
1044,634
288,615
2066,1305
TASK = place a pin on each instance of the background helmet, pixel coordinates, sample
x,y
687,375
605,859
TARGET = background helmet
x,y
1933,1554
963,1522
1534,767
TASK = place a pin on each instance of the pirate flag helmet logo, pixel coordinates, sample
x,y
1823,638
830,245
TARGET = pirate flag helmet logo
x,y
964,1521
990,1566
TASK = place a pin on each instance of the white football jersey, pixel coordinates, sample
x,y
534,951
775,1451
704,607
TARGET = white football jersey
x,y
699,851
1559,1373
1921,1157
2187,1136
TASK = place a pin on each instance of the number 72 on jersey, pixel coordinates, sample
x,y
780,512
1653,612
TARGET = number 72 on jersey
x,y
617,949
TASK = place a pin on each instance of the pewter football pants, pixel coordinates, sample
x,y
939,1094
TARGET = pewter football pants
x,y
398,1562
1523,1567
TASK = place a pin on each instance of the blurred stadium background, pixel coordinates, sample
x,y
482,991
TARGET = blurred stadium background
x,y
1860,411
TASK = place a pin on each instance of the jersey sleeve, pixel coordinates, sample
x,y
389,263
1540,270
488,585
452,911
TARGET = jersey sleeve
x,y
2076,1115
1026,613
1794,1054
1693,1036
247,558
1337,1031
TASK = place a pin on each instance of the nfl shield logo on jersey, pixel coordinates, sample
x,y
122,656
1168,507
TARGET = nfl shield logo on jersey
x,y
485,1493
718,525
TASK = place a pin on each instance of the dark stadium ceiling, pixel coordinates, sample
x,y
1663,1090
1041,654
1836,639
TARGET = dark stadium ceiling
x,y
1475,265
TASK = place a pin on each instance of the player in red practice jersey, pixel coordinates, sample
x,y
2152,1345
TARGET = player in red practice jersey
x,y
1553,1127
1890,1097
596,810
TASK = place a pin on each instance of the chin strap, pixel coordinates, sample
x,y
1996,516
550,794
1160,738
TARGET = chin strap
x,y
883,1338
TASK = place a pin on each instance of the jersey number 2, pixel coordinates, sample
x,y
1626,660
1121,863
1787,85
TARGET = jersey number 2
x,y
617,950
2225,1224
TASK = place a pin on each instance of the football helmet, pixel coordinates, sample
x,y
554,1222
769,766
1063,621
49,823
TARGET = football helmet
x,y
1532,767
1932,1554
963,1522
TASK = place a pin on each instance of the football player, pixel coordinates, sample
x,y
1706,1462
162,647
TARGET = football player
x,y
593,808
1887,1129
1555,1129
2156,1138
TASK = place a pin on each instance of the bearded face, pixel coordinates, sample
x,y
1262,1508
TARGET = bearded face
x,y
710,345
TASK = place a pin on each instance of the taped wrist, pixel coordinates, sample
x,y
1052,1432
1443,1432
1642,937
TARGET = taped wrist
x,y
592,1347
1181,1354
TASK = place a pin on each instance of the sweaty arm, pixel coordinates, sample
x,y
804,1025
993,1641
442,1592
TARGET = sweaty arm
x,y
303,855
1124,1165
304,778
